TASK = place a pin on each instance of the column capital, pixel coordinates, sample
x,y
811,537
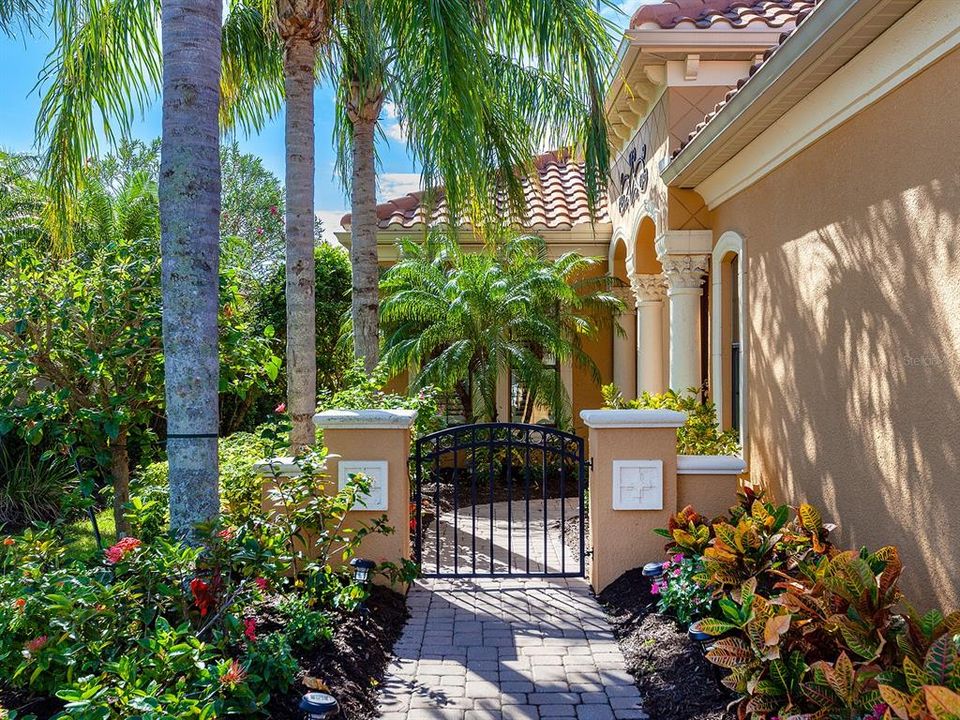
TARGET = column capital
x,y
624,294
648,288
685,273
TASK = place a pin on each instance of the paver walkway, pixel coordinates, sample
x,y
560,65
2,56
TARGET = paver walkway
x,y
505,649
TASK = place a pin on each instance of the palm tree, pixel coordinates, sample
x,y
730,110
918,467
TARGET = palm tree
x,y
479,88
189,194
22,15
465,318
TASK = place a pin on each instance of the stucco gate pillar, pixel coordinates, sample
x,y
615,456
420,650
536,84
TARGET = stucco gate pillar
x,y
625,346
633,487
377,444
649,291
685,257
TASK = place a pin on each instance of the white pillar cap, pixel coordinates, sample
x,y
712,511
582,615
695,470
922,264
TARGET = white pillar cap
x,y
647,418
365,419
710,465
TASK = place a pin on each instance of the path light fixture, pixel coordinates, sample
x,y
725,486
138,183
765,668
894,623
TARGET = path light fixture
x,y
653,570
319,706
361,570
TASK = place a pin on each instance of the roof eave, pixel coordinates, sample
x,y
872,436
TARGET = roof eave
x,y
813,40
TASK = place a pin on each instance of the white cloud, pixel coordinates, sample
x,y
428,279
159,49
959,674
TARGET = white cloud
x,y
393,128
331,223
393,185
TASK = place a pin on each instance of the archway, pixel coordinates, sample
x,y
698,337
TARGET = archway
x,y
649,289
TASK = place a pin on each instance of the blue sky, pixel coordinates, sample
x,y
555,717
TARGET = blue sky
x,y
21,61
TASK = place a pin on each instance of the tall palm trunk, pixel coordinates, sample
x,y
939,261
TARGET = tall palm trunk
x,y
301,276
364,111
190,235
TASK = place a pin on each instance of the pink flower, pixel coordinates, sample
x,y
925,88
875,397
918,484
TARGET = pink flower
x,y
32,647
665,565
225,534
273,209
676,572
259,231
677,558
655,588
233,676
281,408
116,553
262,583
250,629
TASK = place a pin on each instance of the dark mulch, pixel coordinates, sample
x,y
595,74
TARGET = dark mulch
x,y
676,682
352,664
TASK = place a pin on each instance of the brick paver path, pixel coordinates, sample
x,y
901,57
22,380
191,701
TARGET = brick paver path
x,y
505,649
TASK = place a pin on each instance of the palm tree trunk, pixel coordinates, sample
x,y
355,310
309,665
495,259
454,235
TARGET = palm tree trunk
x,y
363,244
301,276
190,235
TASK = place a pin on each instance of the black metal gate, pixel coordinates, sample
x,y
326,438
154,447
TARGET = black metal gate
x,y
499,499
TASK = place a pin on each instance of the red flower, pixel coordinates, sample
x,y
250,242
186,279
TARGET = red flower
x,y
233,676
32,647
225,534
116,553
250,629
202,596
20,603
273,209
262,583
281,408
9,541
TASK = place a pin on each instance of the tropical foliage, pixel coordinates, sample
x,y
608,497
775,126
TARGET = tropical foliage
x,y
809,631
155,628
699,435
464,318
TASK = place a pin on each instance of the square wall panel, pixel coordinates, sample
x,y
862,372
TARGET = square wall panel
x,y
638,484
376,470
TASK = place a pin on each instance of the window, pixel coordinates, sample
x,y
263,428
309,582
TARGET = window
x,y
728,341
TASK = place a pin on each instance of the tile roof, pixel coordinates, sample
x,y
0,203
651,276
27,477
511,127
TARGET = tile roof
x,y
803,10
555,200
690,14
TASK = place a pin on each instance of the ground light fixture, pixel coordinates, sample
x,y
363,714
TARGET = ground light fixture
x,y
361,570
653,569
319,706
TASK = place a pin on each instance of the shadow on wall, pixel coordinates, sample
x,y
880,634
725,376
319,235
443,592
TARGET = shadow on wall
x,y
855,370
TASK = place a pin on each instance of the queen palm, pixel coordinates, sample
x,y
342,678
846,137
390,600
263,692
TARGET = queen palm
x,y
479,88
466,318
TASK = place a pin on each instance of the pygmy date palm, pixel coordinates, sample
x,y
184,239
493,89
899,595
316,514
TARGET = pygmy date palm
x,y
466,319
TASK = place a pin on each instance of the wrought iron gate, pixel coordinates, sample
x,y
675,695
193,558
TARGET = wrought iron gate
x,y
499,499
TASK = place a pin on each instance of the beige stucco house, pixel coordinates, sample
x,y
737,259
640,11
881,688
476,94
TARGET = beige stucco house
x,y
784,209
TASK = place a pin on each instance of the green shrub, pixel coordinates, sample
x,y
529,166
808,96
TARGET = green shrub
x,y
33,486
679,592
306,626
699,435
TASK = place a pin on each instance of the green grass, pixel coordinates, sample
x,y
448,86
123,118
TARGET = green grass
x,y
82,543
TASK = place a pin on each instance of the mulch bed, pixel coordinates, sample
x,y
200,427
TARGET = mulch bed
x,y
675,680
352,664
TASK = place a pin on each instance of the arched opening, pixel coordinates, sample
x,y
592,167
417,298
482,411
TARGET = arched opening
x,y
729,347
652,322
624,341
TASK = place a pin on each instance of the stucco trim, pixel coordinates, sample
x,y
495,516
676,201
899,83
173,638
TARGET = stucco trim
x,y
651,418
729,243
924,35
710,465
365,419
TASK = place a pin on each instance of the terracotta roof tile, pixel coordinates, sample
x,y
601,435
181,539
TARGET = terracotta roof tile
x,y
801,15
555,200
709,13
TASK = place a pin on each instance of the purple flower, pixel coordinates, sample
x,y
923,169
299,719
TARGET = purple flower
x,y
655,588
677,558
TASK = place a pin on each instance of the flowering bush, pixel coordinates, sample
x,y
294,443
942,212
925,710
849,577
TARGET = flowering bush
x,y
680,594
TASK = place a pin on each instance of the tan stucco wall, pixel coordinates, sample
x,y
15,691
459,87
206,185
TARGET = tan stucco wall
x,y
853,320
711,495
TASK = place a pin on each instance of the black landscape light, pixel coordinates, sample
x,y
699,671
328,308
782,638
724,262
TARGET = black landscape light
x,y
319,706
361,570
653,569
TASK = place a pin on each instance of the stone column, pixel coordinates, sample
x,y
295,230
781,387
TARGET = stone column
x,y
625,346
650,291
685,275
